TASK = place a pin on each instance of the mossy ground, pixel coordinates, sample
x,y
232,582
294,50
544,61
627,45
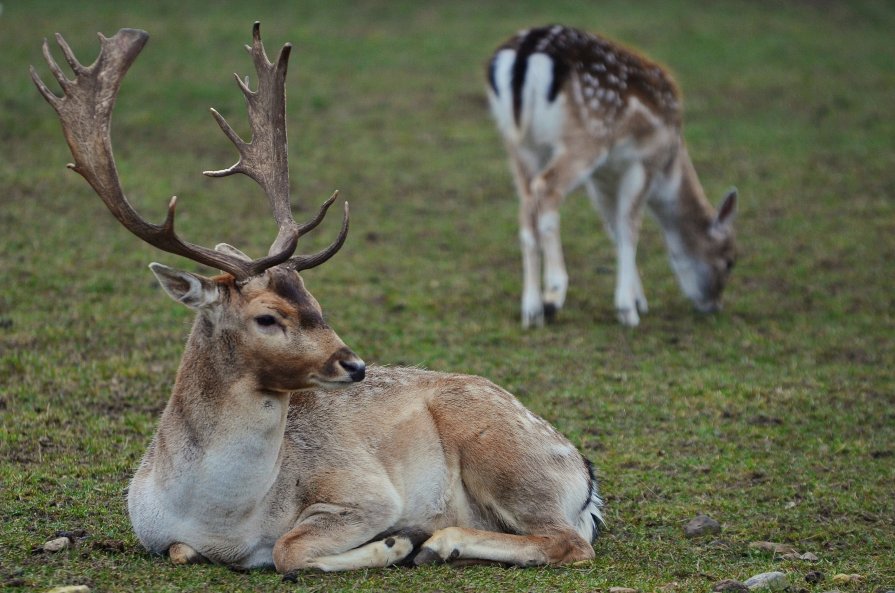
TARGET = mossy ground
x,y
776,417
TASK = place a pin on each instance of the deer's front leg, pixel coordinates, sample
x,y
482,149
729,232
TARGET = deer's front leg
x,y
332,537
556,279
532,304
629,297
565,171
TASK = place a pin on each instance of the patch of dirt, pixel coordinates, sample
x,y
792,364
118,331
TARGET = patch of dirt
x,y
765,420
111,546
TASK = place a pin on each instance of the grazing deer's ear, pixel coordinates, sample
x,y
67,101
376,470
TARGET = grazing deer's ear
x,y
726,212
192,290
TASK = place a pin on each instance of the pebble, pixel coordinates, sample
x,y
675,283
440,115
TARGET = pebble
x,y
730,586
57,545
71,589
701,525
771,581
807,556
622,590
773,547
813,577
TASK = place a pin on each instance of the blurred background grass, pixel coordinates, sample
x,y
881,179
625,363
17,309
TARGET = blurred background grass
x,y
776,417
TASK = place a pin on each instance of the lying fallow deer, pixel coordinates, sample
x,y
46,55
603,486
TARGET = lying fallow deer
x,y
271,450
573,109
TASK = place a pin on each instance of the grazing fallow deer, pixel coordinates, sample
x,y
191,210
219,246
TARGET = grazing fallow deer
x,y
574,109
271,450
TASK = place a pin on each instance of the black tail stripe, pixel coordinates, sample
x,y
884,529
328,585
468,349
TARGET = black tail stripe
x,y
530,44
592,482
520,67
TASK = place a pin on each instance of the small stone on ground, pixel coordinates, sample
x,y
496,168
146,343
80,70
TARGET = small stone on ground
x,y
730,586
768,581
57,545
701,525
814,577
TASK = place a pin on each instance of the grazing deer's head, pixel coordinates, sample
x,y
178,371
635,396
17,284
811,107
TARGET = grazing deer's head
x,y
706,256
258,313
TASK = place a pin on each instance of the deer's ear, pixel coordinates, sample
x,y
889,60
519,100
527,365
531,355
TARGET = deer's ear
x,y
723,222
192,290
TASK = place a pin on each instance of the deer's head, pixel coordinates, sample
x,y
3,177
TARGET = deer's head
x,y
258,312
705,263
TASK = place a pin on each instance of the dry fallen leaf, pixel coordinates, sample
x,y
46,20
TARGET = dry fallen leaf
x,y
845,579
773,548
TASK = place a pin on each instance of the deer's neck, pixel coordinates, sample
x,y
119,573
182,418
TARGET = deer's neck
x,y
685,216
219,427
681,207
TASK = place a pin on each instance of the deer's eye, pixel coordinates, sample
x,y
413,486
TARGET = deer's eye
x,y
265,320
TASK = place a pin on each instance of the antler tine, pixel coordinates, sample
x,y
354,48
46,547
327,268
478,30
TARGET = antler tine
x,y
85,111
76,66
265,157
306,262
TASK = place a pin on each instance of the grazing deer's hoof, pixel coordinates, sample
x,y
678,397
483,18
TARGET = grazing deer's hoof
x,y
550,311
707,307
532,311
532,314
183,554
628,317
532,319
642,306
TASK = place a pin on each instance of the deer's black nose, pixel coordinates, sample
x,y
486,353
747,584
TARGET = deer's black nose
x,y
357,370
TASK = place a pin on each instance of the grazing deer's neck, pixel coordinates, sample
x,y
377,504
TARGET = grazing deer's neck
x,y
681,206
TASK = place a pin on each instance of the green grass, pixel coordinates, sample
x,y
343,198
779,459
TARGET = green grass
x,y
776,417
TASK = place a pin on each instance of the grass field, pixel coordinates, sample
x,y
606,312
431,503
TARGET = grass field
x,y
776,417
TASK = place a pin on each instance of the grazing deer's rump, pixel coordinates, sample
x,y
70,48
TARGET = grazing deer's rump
x,y
278,445
576,109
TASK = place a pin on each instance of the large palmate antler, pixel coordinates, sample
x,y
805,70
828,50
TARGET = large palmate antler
x,y
85,110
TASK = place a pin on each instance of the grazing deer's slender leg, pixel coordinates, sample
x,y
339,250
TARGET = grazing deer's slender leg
x,y
532,303
629,203
605,202
457,543
556,279
550,188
